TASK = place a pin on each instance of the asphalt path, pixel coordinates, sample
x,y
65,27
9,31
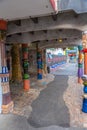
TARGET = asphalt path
x,y
49,108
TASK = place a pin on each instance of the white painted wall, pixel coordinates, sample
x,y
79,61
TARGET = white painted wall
x,y
17,9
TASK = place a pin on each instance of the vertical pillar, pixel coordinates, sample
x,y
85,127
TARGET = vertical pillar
x,y
9,63
80,64
44,62
85,62
16,63
84,77
6,104
84,40
26,82
39,63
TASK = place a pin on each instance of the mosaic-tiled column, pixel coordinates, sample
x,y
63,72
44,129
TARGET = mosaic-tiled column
x,y
39,63
84,77
26,80
80,64
6,104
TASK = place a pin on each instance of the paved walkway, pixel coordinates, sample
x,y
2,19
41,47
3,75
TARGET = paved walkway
x,y
69,69
14,122
51,99
49,108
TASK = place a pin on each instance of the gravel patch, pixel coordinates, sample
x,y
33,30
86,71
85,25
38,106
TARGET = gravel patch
x,y
73,99
23,100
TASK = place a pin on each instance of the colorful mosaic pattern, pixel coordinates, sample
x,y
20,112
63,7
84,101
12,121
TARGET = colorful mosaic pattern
x,y
39,63
80,64
84,77
6,104
25,51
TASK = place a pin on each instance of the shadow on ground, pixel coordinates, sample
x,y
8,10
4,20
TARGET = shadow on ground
x,y
49,108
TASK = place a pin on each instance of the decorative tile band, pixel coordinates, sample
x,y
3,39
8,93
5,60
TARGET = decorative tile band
x,y
6,105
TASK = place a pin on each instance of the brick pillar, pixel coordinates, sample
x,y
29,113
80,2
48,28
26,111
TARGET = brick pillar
x,y
6,104
80,64
26,82
39,63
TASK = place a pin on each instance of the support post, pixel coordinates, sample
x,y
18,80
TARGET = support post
x,y
84,77
44,62
26,80
85,63
39,63
6,104
16,63
80,64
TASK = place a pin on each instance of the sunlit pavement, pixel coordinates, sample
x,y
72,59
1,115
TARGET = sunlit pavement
x,y
67,69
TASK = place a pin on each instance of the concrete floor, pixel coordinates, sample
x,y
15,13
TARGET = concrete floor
x,y
14,122
49,110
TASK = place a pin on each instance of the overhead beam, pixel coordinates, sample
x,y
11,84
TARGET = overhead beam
x,y
50,35
65,20
55,44
52,42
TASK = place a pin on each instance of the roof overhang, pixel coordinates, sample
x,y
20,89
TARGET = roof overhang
x,y
18,9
